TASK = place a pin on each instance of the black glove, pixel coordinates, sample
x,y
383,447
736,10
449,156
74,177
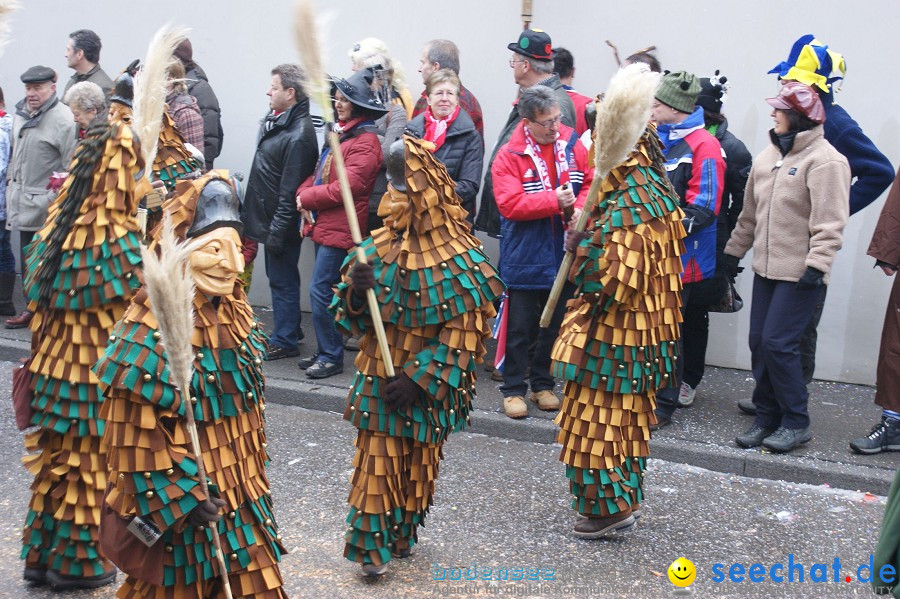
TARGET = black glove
x,y
363,278
206,511
813,278
730,266
401,393
275,244
574,239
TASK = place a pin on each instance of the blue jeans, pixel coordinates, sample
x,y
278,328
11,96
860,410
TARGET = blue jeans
x,y
7,258
779,314
326,274
283,271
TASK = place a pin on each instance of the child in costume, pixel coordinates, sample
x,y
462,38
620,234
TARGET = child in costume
x,y
618,341
436,289
80,279
153,470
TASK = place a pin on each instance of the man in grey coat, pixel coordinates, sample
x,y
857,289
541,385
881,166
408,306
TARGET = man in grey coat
x,y
43,139
532,64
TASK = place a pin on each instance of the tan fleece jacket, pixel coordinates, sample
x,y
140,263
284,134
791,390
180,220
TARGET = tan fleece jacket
x,y
795,209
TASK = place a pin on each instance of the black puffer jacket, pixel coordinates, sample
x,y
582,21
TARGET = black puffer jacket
x,y
737,169
198,86
462,154
285,156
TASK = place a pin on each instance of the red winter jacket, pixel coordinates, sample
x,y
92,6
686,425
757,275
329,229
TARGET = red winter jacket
x,y
363,159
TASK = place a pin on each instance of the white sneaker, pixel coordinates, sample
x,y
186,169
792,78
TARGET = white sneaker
x,y
686,395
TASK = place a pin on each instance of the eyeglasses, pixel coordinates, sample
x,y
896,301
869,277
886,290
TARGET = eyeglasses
x,y
549,123
513,61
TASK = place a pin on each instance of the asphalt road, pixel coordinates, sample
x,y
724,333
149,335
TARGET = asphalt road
x,y
504,504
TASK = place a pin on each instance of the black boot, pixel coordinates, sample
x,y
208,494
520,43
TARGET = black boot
x,y
885,436
7,285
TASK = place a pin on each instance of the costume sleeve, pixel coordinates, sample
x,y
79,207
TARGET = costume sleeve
x,y
829,189
512,201
151,466
350,313
885,244
588,169
363,160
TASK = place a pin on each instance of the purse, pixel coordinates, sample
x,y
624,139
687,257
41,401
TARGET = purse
x,y
132,544
22,394
731,301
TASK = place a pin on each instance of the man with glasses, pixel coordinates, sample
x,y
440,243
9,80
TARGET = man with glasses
x,y
532,63
541,178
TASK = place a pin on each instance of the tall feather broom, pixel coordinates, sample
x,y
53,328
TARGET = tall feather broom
x,y
150,88
7,7
622,117
170,287
306,36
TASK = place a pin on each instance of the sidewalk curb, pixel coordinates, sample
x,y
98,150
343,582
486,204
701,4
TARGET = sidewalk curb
x,y
750,462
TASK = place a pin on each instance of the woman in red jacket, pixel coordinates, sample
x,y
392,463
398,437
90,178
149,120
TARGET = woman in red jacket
x,y
322,210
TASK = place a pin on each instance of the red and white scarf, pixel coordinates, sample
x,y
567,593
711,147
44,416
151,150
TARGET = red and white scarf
x,y
436,129
562,165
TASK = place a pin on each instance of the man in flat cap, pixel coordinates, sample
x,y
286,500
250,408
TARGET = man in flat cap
x,y
44,136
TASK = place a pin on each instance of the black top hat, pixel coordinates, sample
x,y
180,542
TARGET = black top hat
x,y
533,43
358,90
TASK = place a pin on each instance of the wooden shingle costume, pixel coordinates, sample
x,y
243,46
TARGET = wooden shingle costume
x,y
153,471
617,344
436,288
79,280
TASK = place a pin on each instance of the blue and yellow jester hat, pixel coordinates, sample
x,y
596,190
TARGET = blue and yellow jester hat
x,y
812,63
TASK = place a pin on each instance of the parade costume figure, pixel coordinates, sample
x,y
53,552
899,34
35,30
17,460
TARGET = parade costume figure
x,y
436,290
618,341
80,278
152,468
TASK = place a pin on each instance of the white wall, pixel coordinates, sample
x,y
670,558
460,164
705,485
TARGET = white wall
x,y
237,43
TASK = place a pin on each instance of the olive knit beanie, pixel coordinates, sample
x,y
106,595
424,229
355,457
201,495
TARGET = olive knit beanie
x,y
679,90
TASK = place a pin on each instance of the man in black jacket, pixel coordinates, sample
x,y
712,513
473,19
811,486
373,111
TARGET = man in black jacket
x,y
286,154
198,86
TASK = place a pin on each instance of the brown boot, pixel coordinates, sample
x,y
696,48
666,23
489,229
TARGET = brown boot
x,y
545,400
496,375
21,321
604,526
515,407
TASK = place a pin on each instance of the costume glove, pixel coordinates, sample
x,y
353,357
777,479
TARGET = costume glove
x,y
574,239
401,393
813,278
206,511
363,278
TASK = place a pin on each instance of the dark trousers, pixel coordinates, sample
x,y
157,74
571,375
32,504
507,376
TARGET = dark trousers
x,y
695,338
524,308
25,238
809,339
779,314
667,398
283,271
7,257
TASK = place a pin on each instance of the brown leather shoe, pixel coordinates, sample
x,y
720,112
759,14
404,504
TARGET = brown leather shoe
x,y
496,375
546,400
598,528
515,407
21,321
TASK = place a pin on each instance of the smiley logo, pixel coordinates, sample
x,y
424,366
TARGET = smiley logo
x,y
682,572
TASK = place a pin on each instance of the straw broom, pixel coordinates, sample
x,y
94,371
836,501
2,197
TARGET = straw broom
x,y
170,286
622,117
316,88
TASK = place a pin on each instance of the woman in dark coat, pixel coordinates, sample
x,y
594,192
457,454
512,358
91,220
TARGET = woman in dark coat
x,y
321,207
456,141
